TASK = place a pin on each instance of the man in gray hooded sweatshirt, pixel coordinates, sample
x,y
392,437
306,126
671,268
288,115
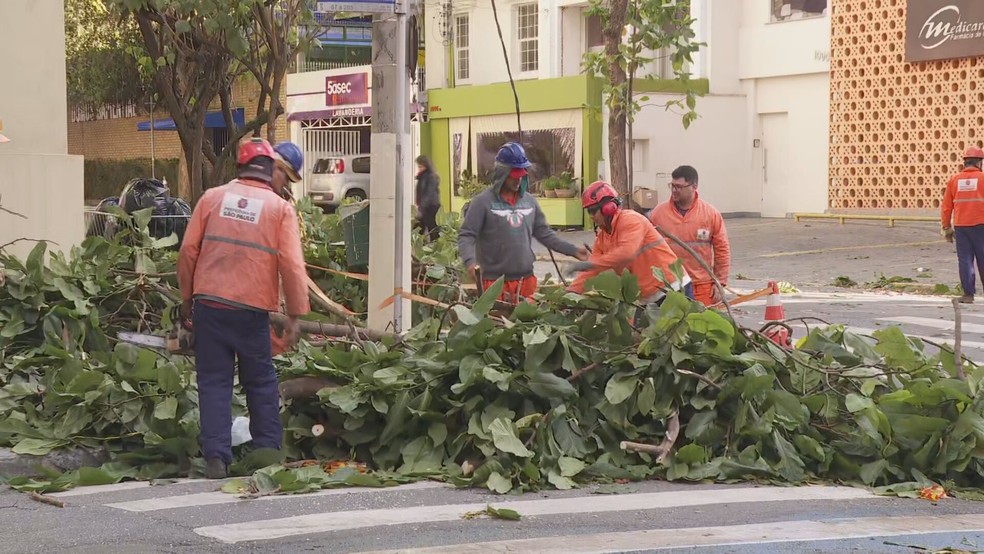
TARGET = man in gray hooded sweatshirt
x,y
500,225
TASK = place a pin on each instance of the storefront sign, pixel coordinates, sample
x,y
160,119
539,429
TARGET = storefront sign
x,y
944,29
358,6
346,90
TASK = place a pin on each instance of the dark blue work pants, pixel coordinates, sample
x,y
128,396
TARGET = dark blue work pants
x,y
970,246
221,337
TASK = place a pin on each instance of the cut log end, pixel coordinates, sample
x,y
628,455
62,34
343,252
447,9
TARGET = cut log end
x,y
317,429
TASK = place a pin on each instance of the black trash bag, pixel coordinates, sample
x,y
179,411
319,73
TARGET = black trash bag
x,y
178,215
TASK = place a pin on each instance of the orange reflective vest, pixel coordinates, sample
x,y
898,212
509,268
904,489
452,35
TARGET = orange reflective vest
x,y
634,245
241,241
963,201
702,229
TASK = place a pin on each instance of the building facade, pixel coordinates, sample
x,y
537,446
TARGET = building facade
x,y
906,99
760,143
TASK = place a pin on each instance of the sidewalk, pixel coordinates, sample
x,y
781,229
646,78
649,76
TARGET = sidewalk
x,y
812,254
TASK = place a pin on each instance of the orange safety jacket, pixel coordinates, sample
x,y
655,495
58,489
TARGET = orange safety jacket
x,y
632,244
241,241
963,201
702,229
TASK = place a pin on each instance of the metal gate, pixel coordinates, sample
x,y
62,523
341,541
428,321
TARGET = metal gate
x,y
321,143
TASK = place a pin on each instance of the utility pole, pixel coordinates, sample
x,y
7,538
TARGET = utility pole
x,y
390,169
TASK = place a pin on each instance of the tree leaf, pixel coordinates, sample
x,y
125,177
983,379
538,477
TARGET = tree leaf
x,y
550,386
619,389
498,484
166,409
505,439
37,447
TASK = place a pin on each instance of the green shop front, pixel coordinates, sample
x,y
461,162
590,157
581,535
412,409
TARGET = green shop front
x,y
561,123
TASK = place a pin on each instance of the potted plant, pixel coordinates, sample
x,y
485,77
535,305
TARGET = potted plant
x,y
549,186
566,186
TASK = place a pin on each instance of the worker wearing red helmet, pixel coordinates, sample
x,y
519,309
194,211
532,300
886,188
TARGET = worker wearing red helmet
x,y
242,241
626,240
963,219
701,227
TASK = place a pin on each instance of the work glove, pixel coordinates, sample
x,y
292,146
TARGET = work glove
x,y
578,267
948,234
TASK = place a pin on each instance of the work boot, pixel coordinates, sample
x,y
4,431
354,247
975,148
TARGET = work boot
x,y
966,299
215,468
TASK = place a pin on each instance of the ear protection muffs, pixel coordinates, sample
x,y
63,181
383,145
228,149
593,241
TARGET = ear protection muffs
x,y
610,207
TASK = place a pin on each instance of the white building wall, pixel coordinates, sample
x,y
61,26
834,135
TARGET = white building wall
x,y
37,176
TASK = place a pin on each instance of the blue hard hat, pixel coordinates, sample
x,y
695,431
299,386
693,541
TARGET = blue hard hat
x,y
293,157
513,155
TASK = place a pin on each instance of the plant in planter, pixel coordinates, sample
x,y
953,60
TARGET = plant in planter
x,y
470,185
567,186
549,186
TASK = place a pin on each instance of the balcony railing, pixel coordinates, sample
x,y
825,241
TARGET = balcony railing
x,y
307,66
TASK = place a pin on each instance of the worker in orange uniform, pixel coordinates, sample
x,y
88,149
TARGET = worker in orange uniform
x,y
963,218
701,227
242,240
626,240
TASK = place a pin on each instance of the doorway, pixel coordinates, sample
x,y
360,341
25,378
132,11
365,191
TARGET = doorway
x,y
775,165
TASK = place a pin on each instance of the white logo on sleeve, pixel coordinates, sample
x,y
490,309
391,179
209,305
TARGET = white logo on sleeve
x,y
967,185
241,208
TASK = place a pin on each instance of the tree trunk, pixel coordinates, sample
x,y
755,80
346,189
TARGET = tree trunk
x,y
618,115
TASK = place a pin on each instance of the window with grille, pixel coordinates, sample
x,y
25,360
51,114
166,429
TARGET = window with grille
x,y
462,64
787,10
528,33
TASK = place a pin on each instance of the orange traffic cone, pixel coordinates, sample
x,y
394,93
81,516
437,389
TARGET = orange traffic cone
x,y
774,311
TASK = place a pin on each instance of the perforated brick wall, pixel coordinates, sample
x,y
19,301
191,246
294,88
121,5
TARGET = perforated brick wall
x,y
897,130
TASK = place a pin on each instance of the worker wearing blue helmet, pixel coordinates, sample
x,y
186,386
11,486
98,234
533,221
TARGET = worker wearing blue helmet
x,y
290,162
496,237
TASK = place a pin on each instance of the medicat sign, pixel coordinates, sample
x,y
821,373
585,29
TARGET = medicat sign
x,y
346,90
944,29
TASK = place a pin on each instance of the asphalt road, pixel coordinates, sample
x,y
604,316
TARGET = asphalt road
x,y
193,517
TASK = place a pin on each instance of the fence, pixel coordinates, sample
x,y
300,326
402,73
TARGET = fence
x,y
106,224
321,143
307,66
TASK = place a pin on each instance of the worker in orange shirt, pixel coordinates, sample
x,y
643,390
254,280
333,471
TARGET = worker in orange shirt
x,y
242,240
701,227
963,219
626,240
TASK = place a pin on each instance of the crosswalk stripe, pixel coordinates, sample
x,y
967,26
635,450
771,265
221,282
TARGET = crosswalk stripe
x,y
116,487
941,324
213,498
359,519
729,535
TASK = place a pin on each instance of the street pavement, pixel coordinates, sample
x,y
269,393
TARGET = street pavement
x,y
193,516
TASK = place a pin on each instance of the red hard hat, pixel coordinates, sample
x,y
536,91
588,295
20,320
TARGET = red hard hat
x,y
254,148
974,152
597,192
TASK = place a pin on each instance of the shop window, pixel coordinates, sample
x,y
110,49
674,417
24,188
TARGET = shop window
x,y
461,40
592,33
528,33
550,150
790,10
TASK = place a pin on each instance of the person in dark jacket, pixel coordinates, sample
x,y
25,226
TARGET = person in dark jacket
x,y
496,237
428,196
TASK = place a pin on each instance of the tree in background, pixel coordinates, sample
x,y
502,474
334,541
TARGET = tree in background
x,y
99,65
634,33
193,51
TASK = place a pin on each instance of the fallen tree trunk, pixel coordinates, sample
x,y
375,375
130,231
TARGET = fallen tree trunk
x,y
305,387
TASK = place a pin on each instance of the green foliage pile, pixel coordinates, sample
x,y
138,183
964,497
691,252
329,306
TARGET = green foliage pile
x,y
542,398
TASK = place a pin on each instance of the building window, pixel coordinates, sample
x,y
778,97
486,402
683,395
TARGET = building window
x,y
593,37
528,33
461,61
790,10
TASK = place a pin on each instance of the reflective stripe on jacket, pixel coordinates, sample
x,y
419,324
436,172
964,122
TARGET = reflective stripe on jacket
x,y
702,228
634,245
963,201
241,241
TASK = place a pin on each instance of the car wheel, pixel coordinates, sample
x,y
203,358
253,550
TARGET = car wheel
x,y
358,195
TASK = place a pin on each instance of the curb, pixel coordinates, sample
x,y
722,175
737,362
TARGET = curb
x,y
67,459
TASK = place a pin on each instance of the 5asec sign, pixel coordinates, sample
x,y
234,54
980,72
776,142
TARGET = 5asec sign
x,y
346,90
358,6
